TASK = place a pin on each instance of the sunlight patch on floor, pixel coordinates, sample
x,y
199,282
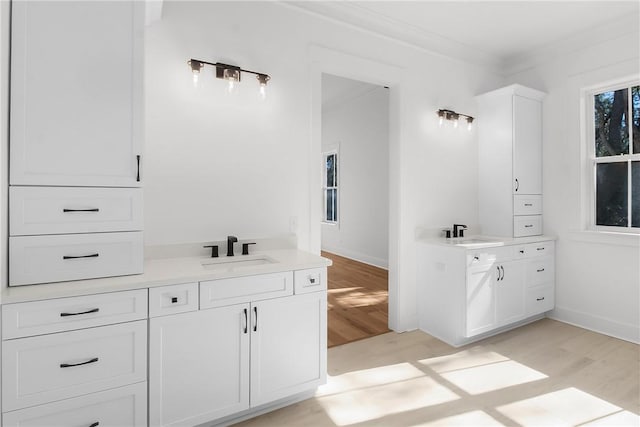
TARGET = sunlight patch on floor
x,y
622,418
467,419
369,378
566,407
476,356
375,402
491,377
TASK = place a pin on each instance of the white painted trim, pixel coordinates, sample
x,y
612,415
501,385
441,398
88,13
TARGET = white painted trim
x,y
605,237
153,11
325,60
602,325
357,256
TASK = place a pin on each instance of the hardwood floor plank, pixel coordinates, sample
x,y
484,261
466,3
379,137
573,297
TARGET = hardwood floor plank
x,y
358,300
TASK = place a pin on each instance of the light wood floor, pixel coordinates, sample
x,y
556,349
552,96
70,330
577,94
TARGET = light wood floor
x,y
546,373
358,300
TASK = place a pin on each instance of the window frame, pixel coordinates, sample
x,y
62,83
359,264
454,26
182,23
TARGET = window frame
x,y
336,187
591,161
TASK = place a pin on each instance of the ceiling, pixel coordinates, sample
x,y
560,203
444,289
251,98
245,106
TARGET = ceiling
x,y
488,32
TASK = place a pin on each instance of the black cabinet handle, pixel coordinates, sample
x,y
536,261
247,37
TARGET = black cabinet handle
x,y
540,299
502,268
80,256
96,424
528,226
312,280
521,251
255,325
540,270
475,258
138,172
517,185
71,365
498,268
93,310
246,321
81,210
539,249
528,204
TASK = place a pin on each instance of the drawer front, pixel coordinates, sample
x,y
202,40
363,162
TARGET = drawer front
x,y
61,210
539,299
487,256
218,293
539,271
310,280
529,225
173,299
42,259
123,406
48,368
538,249
65,314
527,205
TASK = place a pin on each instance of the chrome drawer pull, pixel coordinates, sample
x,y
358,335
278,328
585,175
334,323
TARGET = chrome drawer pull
x,y
81,210
80,256
540,299
71,365
93,310
96,424
540,270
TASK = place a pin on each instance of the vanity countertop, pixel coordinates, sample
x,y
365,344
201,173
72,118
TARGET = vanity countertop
x,y
480,242
172,271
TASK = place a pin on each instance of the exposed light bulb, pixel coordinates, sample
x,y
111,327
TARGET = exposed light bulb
x,y
469,123
195,79
441,121
263,79
455,123
231,86
263,91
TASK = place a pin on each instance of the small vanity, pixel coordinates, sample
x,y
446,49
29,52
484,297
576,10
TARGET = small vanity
x,y
472,288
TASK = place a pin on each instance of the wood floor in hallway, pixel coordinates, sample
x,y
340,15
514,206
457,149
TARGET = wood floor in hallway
x,y
358,300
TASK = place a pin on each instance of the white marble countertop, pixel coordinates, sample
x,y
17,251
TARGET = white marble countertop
x,y
170,271
479,242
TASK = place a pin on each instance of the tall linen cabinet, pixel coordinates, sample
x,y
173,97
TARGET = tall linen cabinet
x,y
76,133
510,161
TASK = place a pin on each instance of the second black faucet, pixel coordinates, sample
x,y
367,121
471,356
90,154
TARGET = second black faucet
x,y
230,241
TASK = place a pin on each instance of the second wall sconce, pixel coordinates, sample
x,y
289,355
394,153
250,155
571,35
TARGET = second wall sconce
x,y
451,115
231,73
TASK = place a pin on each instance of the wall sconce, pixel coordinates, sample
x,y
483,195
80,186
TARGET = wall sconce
x,y
230,73
454,117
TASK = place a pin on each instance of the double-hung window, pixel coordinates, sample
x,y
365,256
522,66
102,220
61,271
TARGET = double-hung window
x,y
613,139
330,187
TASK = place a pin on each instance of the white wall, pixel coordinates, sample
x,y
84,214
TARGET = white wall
x,y
217,164
359,129
598,277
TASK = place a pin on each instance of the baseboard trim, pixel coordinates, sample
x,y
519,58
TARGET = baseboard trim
x,y
598,324
365,259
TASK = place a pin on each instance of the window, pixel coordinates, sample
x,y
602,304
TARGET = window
x,y
614,146
330,187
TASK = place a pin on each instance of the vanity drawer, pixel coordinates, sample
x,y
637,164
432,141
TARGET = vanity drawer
x,y
64,314
488,256
529,225
310,280
123,406
47,368
58,258
218,293
538,249
62,210
539,271
173,299
527,205
539,299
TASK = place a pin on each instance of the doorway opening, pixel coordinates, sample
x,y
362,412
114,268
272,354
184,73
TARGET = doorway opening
x,y
355,208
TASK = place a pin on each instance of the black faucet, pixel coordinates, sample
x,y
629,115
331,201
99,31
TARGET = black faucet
x,y
230,241
461,228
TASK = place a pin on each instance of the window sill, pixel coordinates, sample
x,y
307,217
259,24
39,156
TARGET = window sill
x,y
605,237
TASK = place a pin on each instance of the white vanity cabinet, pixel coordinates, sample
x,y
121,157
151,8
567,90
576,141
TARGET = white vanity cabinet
x,y
75,139
468,294
252,342
510,161
76,361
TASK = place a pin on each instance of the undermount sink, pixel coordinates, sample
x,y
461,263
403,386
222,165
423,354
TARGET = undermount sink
x,y
237,262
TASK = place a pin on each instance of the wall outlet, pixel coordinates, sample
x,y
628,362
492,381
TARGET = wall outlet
x,y
293,224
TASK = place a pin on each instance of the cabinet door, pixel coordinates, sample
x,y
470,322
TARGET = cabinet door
x,y
198,366
527,146
481,309
510,293
76,85
288,346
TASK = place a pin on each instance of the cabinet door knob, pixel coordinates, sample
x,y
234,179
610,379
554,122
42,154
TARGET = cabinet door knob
x,y
312,280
